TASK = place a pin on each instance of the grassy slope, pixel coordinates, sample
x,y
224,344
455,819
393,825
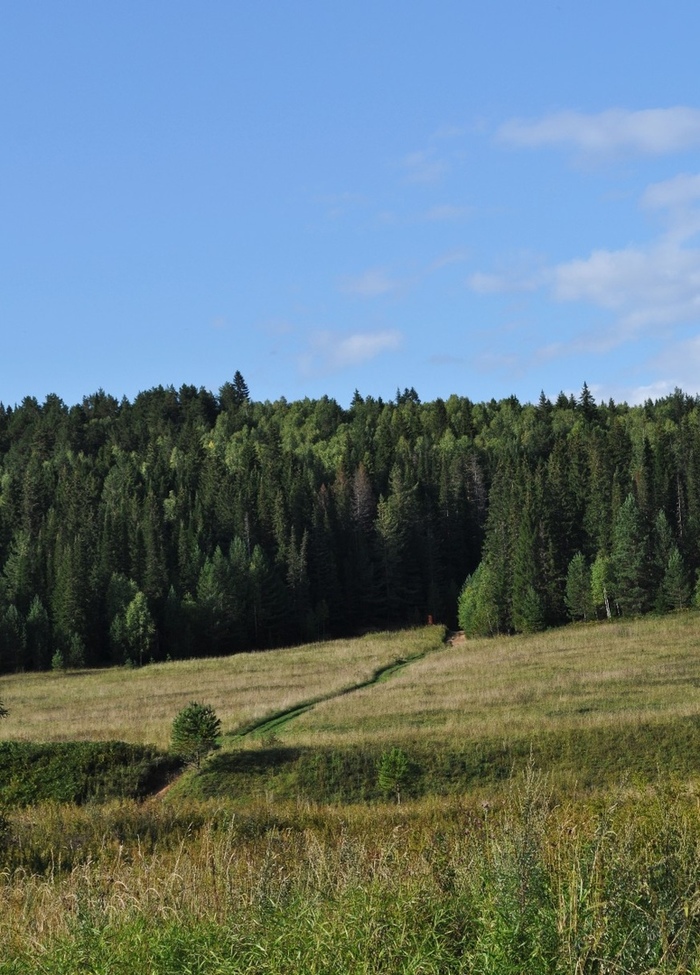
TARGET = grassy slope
x,y
588,703
592,705
528,882
139,705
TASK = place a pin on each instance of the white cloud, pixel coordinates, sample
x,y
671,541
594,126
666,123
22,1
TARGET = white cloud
x,y
338,205
657,285
680,191
646,286
447,259
681,362
490,284
444,359
678,198
654,131
522,272
449,132
330,352
370,284
638,395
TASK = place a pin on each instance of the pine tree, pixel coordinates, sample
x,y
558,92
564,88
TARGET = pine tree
x,y
675,586
269,599
13,640
215,599
38,636
195,732
298,583
578,598
630,559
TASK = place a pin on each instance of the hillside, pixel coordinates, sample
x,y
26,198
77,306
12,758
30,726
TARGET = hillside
x,y
548,821
590,704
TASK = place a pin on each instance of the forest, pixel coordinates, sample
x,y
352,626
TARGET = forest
x,y
187,523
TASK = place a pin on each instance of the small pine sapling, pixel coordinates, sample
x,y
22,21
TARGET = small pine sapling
x,y
194,733
392,772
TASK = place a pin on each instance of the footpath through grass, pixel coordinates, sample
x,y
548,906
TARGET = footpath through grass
x,y
593,705
138,705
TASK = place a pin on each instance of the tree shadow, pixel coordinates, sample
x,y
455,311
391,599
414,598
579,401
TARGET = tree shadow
x,y
250,761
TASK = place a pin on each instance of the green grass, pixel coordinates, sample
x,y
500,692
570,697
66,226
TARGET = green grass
x,y
593,705
550,821
138,705
534,883
590,704
80,771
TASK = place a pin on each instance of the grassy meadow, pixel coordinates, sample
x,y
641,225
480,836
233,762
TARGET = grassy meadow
x,y
573,678
550,822
138,705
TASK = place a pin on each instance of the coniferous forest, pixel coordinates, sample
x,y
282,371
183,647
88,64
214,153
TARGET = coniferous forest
x,y
186,523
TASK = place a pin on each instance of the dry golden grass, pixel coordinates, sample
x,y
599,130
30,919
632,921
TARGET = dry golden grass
x,y
605,674
139,705
598,674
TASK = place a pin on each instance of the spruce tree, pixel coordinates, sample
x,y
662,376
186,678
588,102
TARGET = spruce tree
x,y
195,732
675,586
578,597
38,631
630,559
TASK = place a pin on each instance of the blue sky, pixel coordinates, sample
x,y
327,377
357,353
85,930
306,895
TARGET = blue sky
x,y
483,199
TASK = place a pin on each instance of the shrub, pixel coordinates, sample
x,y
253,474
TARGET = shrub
x,y
79,771
392,772
195,731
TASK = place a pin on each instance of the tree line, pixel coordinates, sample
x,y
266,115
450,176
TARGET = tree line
x,y
594,511
188,523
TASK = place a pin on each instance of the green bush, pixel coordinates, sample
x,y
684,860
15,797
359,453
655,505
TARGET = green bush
x,y
392,772
195,732
79,771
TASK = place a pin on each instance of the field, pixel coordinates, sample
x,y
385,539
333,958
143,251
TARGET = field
x,y
549,822
138,705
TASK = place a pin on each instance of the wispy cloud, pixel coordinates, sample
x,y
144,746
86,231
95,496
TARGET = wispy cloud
x,y
679,200
656,285
447,212
646,286
330,352
423,166
637,395
680,191
339,204
655,131
379,282
521,272
447,259
370,284
680,362
443,359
